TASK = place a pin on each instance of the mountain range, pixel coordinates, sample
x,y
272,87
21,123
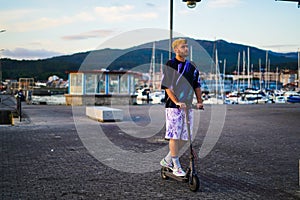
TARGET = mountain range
x,y
138,58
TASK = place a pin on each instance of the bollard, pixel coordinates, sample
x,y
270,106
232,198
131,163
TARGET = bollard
x,y
12,120
20,106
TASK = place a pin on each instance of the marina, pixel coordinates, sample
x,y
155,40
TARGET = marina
x,y
61,96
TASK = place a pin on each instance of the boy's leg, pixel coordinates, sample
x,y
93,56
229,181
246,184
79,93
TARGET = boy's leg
x,y
175,146
173,133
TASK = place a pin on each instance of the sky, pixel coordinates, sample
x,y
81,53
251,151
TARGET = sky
x,y
37,29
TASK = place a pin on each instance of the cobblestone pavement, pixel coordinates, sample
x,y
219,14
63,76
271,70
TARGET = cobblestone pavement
x,y
256,157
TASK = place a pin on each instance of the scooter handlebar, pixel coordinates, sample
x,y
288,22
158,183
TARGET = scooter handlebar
x,y
196,108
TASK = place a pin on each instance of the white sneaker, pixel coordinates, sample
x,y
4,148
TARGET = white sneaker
x,y
178,172
164,163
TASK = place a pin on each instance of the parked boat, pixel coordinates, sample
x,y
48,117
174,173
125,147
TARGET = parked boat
x,y
293,99
157,97
290,93
232,98
213,100
280,99
256,98
229,101
143,96
146,96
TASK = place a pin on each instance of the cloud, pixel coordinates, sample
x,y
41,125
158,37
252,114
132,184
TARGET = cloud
x,y
22,20
45,22
22,53
150,4
223,3
32,20
16,14
90,34
122,13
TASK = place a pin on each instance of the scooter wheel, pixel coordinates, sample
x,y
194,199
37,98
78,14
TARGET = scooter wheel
x,y
194,183
163,175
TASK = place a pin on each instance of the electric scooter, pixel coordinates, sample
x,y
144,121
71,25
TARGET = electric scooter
x,y
191,174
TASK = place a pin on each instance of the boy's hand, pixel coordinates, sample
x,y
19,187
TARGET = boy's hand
x,y
181,105
200,106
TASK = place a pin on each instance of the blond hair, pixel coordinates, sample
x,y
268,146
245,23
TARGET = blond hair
x,y
178,42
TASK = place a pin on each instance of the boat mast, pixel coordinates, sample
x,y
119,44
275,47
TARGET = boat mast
x,y
191,53
248,65
161,63
238,72
161,67
244,66
298,69
269,72
260,74
153,57
152,68
217,63
276,77
266,68
224,67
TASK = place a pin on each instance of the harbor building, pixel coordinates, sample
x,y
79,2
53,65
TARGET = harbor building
x,y
102,87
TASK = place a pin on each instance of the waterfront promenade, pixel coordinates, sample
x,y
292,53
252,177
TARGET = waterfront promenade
x,y
256,156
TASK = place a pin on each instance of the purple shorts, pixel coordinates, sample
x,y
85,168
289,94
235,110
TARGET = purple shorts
x,y
175,124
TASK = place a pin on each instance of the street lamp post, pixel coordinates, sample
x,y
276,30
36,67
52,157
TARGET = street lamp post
x,y
190,4
299,69
1,31
171,29
1,67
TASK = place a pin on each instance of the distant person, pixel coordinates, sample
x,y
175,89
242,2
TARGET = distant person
x,y
20,95
180,81
29,95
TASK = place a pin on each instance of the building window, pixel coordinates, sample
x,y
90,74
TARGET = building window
x,y
124,84
101,84
113,83
76,83
91,83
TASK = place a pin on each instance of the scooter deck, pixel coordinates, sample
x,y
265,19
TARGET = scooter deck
x,y
169,173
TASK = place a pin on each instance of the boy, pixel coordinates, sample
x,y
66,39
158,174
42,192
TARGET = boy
x,y
180,81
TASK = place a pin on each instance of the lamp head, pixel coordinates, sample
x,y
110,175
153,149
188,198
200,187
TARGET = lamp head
x,y
191,4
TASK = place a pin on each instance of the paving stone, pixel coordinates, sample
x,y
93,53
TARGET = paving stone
x,y
256,157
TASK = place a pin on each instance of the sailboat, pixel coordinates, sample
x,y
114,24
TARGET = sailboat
x,y
218,83
143,94
298,69
152,93
157,96
152,69
295,97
